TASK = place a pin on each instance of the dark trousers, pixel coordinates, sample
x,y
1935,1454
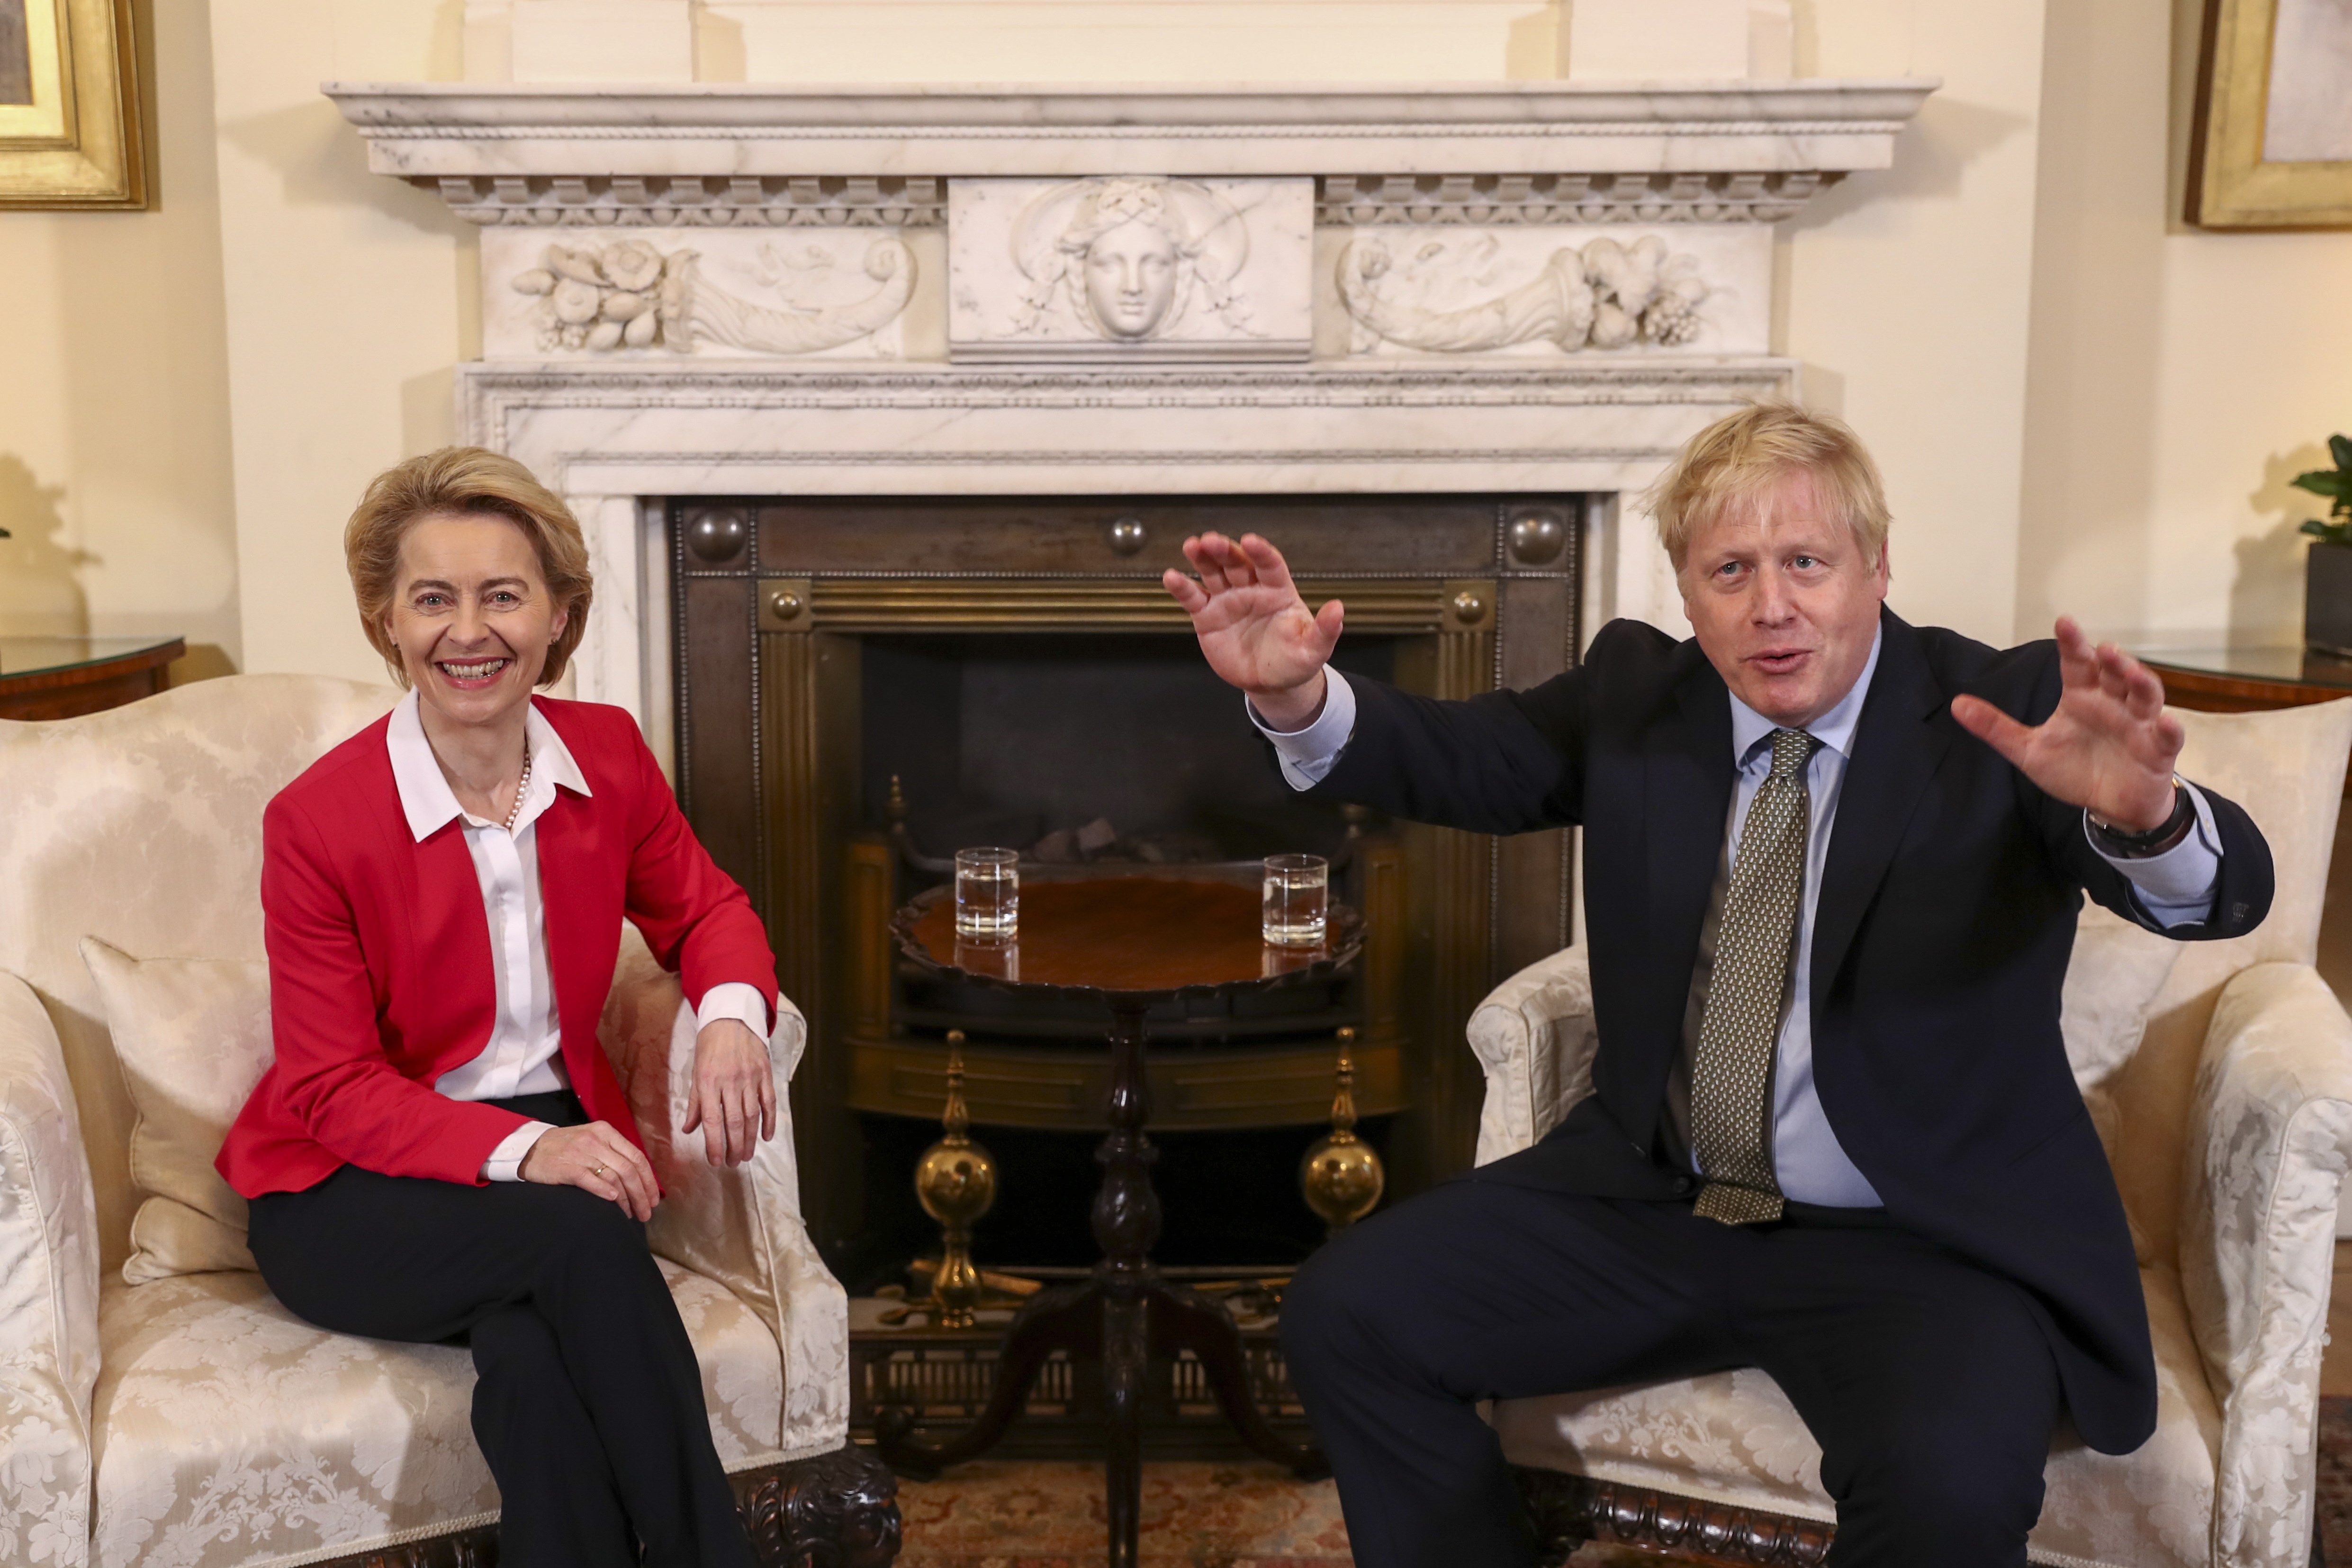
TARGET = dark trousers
x,y
588,1400
1927,1381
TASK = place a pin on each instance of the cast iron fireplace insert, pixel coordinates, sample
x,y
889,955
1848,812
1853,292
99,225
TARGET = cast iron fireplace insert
x,y
864,684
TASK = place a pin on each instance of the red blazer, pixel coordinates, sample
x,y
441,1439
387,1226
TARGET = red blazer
x,y
380,976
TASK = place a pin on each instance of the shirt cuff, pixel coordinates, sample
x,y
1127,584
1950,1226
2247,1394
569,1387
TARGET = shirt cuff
x,y
2175,888
1308,755
504,1163
734,999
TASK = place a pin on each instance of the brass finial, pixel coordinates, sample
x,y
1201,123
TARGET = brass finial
x,y
956,1182
1341,1175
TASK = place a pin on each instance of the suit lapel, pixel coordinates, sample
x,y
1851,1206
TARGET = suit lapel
x,y
1896,750
1687,772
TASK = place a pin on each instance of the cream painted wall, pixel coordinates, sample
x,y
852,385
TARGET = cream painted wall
x,y
114,473
2178,378
1908,293
1134,40
348,300
2075,402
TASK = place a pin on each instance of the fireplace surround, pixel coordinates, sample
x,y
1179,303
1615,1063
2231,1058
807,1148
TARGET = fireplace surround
x,y
700,304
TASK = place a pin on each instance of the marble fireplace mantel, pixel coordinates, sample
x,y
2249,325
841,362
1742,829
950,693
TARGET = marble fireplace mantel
x,y
1113,290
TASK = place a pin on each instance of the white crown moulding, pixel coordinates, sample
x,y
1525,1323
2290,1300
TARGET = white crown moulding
x,y
714,154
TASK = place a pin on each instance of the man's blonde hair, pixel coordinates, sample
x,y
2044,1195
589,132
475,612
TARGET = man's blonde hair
x,y
465,481
1728,466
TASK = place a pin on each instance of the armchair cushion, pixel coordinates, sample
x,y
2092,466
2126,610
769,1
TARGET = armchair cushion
x,y
1733,1437
193,1036
233,1433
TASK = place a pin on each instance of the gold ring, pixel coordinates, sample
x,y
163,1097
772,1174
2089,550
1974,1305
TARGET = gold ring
x,y
599,1170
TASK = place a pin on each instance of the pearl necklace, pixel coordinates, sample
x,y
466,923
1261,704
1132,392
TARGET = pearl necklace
x,y
522,787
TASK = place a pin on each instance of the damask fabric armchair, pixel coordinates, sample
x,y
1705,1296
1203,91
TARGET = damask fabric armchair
x,y
181,1417
2220,1075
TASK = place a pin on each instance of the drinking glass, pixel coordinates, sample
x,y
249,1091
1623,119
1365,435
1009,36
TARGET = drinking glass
x,y
1298,895
987,895
999,959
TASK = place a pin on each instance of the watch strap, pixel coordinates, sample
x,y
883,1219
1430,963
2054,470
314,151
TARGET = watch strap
x,y
2167,834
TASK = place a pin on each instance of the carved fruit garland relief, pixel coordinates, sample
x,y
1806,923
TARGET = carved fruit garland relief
x,y
1603,295
628,294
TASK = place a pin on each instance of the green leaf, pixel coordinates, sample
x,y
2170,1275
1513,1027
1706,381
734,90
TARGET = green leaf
x,y
2340,448
2331,533
2322,482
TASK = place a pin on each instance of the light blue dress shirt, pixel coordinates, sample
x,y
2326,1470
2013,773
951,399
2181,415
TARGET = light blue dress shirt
x,y
2173,889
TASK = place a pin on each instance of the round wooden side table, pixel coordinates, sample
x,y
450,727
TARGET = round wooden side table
x,y
65,678
2249,679
1131,942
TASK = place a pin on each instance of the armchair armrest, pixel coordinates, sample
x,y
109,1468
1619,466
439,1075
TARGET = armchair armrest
x,y
2269,1136
739,1226
1534,1038
49,1294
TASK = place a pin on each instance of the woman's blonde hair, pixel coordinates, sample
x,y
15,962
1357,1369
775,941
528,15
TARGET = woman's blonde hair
x,y
1734,460
465,481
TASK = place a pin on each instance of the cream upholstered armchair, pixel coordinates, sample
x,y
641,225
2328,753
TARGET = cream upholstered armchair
x,y
2219,1075
157,1407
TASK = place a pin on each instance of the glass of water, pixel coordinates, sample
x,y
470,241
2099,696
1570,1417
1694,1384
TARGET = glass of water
x,y
987,895
1298,897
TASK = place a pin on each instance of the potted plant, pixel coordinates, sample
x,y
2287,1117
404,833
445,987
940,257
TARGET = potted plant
x,y
2327,578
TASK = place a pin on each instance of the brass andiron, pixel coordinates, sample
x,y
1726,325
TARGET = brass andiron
x,y
956,1180
1341,1175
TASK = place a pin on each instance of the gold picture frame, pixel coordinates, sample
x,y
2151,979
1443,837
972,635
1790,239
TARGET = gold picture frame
x,y
69,123
2271,143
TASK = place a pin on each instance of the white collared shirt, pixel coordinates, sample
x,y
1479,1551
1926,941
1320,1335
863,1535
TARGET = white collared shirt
x,y
524,1054
2174,887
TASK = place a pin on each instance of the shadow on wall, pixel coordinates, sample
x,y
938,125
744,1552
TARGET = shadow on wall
x,y
1932,155
40,594
320,161
2266,598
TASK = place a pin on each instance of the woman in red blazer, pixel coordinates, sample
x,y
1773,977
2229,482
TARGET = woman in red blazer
x,y
440,1151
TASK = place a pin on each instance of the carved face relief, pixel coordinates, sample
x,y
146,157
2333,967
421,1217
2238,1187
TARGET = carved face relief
x,y
1129,267
1132,273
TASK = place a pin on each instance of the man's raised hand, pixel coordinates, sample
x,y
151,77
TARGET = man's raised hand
x,y
1255,630
2109,747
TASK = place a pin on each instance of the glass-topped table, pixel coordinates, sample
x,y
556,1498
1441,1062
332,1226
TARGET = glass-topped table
x,y
2249,679
63,677
2217,680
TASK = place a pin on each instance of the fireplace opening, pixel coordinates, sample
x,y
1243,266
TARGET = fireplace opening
x,y
865,685
1029,740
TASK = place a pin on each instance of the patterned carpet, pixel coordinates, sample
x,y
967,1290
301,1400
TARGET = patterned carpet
x,y
2334,1543
1050,1515
1006,1515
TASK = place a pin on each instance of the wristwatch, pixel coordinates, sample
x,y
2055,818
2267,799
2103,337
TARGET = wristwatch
x,y
2164,835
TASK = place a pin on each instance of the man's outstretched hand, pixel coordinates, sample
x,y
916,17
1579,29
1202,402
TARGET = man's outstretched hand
x,y
1255,630
2109,747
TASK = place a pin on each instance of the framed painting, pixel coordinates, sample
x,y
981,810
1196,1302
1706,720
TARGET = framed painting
x,y
2271,144
69,132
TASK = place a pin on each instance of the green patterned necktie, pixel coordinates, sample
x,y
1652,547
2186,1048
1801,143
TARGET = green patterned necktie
x,y
1731,1074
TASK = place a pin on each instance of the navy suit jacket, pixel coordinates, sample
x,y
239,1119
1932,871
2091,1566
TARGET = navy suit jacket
x,y
1946,919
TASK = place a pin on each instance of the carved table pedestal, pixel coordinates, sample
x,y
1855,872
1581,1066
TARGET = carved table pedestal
x,y
1132,942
